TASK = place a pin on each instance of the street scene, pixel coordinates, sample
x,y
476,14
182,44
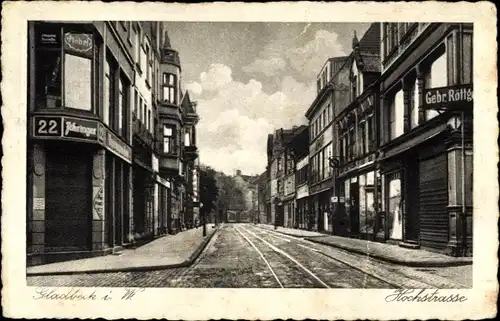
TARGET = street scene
x,y
249,256
249,154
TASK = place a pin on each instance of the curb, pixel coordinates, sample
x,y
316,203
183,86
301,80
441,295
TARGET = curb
x,y
186,263
380,257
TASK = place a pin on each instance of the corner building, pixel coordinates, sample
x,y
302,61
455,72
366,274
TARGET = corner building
x,y
426,144
79,140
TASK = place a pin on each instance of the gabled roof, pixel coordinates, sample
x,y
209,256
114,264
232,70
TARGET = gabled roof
x,y
186,103
370,43
366,52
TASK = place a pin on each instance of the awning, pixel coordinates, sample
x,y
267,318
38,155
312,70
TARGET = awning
x,y
398,149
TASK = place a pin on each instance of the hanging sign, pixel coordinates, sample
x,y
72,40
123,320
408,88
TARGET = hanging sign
x,y
452,96
79,43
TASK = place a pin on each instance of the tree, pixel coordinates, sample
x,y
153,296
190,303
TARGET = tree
x,y
209,193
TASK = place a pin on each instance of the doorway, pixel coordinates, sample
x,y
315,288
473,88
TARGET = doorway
x,y
354,208
68,219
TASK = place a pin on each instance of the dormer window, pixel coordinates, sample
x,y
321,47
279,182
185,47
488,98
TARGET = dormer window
x,y
169,88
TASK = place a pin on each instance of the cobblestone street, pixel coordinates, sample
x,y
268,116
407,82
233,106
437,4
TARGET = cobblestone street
x,y
246,256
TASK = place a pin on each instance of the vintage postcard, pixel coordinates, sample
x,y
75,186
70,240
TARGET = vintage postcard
x,y
249,160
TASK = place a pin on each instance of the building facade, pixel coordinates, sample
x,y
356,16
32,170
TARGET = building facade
x,y
300,148
426,135
96,179
357,180
322,144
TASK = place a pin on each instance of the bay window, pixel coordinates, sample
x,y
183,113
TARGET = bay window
x,y
168,139
169,88
66,53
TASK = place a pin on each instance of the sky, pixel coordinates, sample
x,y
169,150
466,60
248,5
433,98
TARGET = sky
x,y
251,78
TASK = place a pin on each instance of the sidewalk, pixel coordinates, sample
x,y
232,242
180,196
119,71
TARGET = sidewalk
x,y
169,251
382,251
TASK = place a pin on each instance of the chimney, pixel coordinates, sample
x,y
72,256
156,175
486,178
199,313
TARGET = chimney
x,y
238,172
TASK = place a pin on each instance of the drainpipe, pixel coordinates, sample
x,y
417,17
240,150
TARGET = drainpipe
x,y
462,134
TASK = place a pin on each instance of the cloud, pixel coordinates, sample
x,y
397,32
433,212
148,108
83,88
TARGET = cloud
x,y
237,117
194,87
216,77
269,66
306,59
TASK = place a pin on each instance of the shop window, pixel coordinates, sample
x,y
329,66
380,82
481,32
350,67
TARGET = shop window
x,y
168,139
395,207
169,88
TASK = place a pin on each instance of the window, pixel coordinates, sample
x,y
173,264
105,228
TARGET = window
x,y
279,162
187,137
370,137
62,52
168,139
136,103
140,110
362,133
467,58
138,50
147,62
108,94
121,106
434,78
149,121
352,143
169,88
396,110
414,104
145,115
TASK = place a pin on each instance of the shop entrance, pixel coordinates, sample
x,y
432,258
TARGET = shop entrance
x,y
68,215
354,208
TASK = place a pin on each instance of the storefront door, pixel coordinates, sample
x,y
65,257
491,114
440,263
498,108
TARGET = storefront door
x,y
354,208
68,220
411,195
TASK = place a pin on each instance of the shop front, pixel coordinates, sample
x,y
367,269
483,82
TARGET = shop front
x,y
358,194
78,196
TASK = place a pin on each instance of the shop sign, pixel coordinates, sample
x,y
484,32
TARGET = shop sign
x,y
117,146
49,38
47,126
334,199
39,203
438,98
79,43
341,199
80,128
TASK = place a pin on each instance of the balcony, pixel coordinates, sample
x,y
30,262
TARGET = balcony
x,y
190,153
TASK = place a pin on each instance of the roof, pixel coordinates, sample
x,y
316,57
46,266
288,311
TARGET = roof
x,y
370,43
186,103
366,52
371,62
